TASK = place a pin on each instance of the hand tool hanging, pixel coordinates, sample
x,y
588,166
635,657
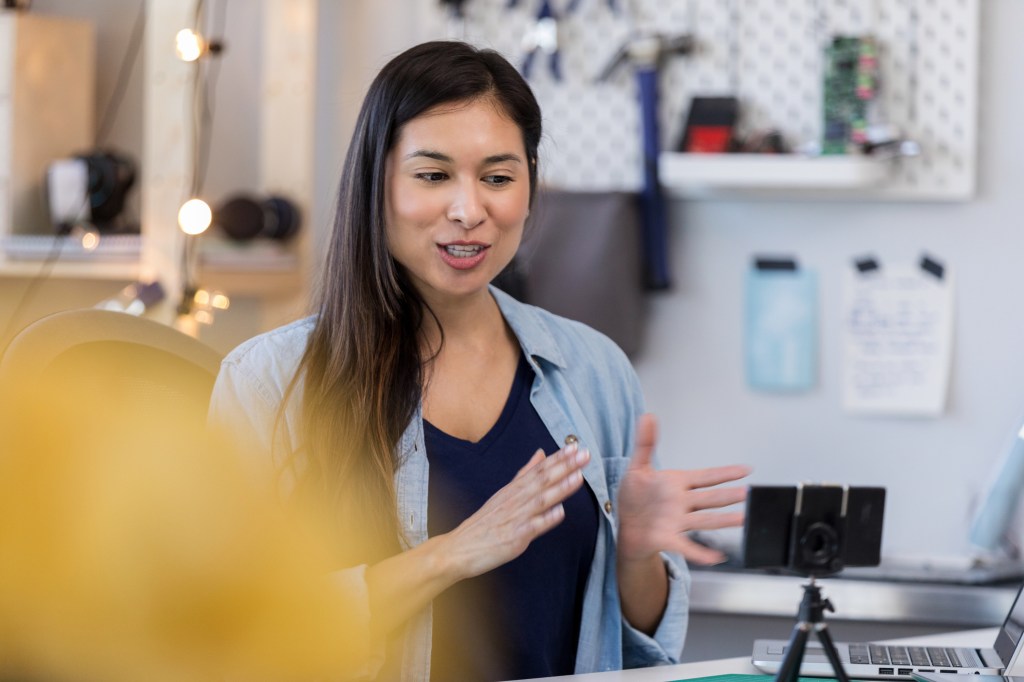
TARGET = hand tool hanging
x,y
456,29
543,36
646,54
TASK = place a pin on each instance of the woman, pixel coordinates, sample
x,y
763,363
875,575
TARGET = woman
x,y
500,563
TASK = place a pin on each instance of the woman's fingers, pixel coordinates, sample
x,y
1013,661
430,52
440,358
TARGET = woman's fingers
x,y
714,498
706,478
646,439
714,520
537,457
529,506
545,521
559,477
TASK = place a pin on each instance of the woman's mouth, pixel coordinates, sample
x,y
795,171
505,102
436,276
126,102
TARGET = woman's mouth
x,y
462,256
463,250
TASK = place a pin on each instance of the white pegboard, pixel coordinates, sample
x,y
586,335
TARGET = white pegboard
x,y
767,52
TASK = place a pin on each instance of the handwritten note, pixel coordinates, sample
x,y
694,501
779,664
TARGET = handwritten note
x,y
898,335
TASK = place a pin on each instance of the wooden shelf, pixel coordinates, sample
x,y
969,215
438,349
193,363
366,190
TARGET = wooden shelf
x,y
117,257
261,267
704,174
114,271
259,282
258,268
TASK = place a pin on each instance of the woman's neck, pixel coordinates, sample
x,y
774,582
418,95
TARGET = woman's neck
x,y
469,369
475,321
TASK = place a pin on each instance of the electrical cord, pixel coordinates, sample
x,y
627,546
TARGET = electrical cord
x,y
217,28
41,275
128,62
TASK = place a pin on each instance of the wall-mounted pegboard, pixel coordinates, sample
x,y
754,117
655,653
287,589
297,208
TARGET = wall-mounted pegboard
x,y
769,53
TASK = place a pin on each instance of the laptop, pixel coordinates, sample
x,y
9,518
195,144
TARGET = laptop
x,y
869,660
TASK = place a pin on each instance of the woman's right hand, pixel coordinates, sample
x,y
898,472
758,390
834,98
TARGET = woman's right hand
x,y
529,506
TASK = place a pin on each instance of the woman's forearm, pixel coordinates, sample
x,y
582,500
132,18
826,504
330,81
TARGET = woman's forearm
x,y
643,591
402,585
529,506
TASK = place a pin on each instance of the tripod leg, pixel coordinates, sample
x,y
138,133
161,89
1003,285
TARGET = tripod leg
x,y
830,650
789,671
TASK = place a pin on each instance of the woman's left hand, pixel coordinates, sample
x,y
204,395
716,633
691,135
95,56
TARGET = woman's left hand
x,y
658,507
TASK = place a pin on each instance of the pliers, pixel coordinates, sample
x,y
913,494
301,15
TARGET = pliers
x,y
543,36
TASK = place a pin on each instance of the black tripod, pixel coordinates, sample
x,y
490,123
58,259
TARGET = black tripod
x,y
811,615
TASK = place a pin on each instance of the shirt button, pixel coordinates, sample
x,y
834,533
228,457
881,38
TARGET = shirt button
x,y
571,438
608,506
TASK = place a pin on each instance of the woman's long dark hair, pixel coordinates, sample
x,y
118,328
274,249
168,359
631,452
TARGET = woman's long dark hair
x,y
362,367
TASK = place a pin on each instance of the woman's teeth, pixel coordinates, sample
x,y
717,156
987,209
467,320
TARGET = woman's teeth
x,y
463,251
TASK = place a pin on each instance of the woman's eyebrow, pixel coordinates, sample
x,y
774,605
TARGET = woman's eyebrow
x,y
502,158
428,153
440,156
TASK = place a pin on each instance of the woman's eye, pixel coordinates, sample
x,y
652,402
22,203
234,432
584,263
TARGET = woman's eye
x,y
497,180
432,177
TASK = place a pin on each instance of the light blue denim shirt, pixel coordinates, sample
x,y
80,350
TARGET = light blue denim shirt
x,y
584,386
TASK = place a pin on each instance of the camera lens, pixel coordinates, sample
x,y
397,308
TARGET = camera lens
x,y
819,546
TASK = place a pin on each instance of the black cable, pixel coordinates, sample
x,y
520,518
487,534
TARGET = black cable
x,y
195,110
46,267
43,274
128,61
217,28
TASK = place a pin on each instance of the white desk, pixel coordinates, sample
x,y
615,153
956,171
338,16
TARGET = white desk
x,y
979,638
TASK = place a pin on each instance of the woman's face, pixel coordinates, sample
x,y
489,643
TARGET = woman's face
x,y
457,195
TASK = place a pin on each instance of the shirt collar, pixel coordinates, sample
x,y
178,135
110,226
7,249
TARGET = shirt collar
x,y
529,327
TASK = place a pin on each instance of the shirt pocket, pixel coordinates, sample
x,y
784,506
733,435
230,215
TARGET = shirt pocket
x,y
614,471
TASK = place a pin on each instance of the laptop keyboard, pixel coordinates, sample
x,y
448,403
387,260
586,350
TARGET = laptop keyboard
x,y
880,654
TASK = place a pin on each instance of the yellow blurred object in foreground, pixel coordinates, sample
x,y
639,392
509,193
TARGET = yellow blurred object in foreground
x,y
132,547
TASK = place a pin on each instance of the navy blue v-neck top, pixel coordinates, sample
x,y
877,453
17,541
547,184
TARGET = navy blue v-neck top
x,y
521,619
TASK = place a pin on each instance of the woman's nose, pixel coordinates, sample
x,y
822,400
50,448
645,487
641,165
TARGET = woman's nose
x,y
467,207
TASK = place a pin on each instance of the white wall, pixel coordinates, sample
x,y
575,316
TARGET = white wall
x,y
692,369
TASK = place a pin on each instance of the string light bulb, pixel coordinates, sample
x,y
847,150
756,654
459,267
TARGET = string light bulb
x,y
200,304
194,217
211,300
189,45
87,236
220,301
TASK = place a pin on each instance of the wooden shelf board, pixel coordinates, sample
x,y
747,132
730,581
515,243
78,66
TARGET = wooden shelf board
x,y
707,173
115,271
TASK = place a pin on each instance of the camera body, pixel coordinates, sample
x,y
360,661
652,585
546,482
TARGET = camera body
x,y
813,529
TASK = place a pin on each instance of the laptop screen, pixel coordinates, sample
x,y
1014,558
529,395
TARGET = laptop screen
x,y
1009,635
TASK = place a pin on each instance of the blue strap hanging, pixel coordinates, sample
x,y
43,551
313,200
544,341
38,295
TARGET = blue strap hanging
x,y
646,53
652,202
